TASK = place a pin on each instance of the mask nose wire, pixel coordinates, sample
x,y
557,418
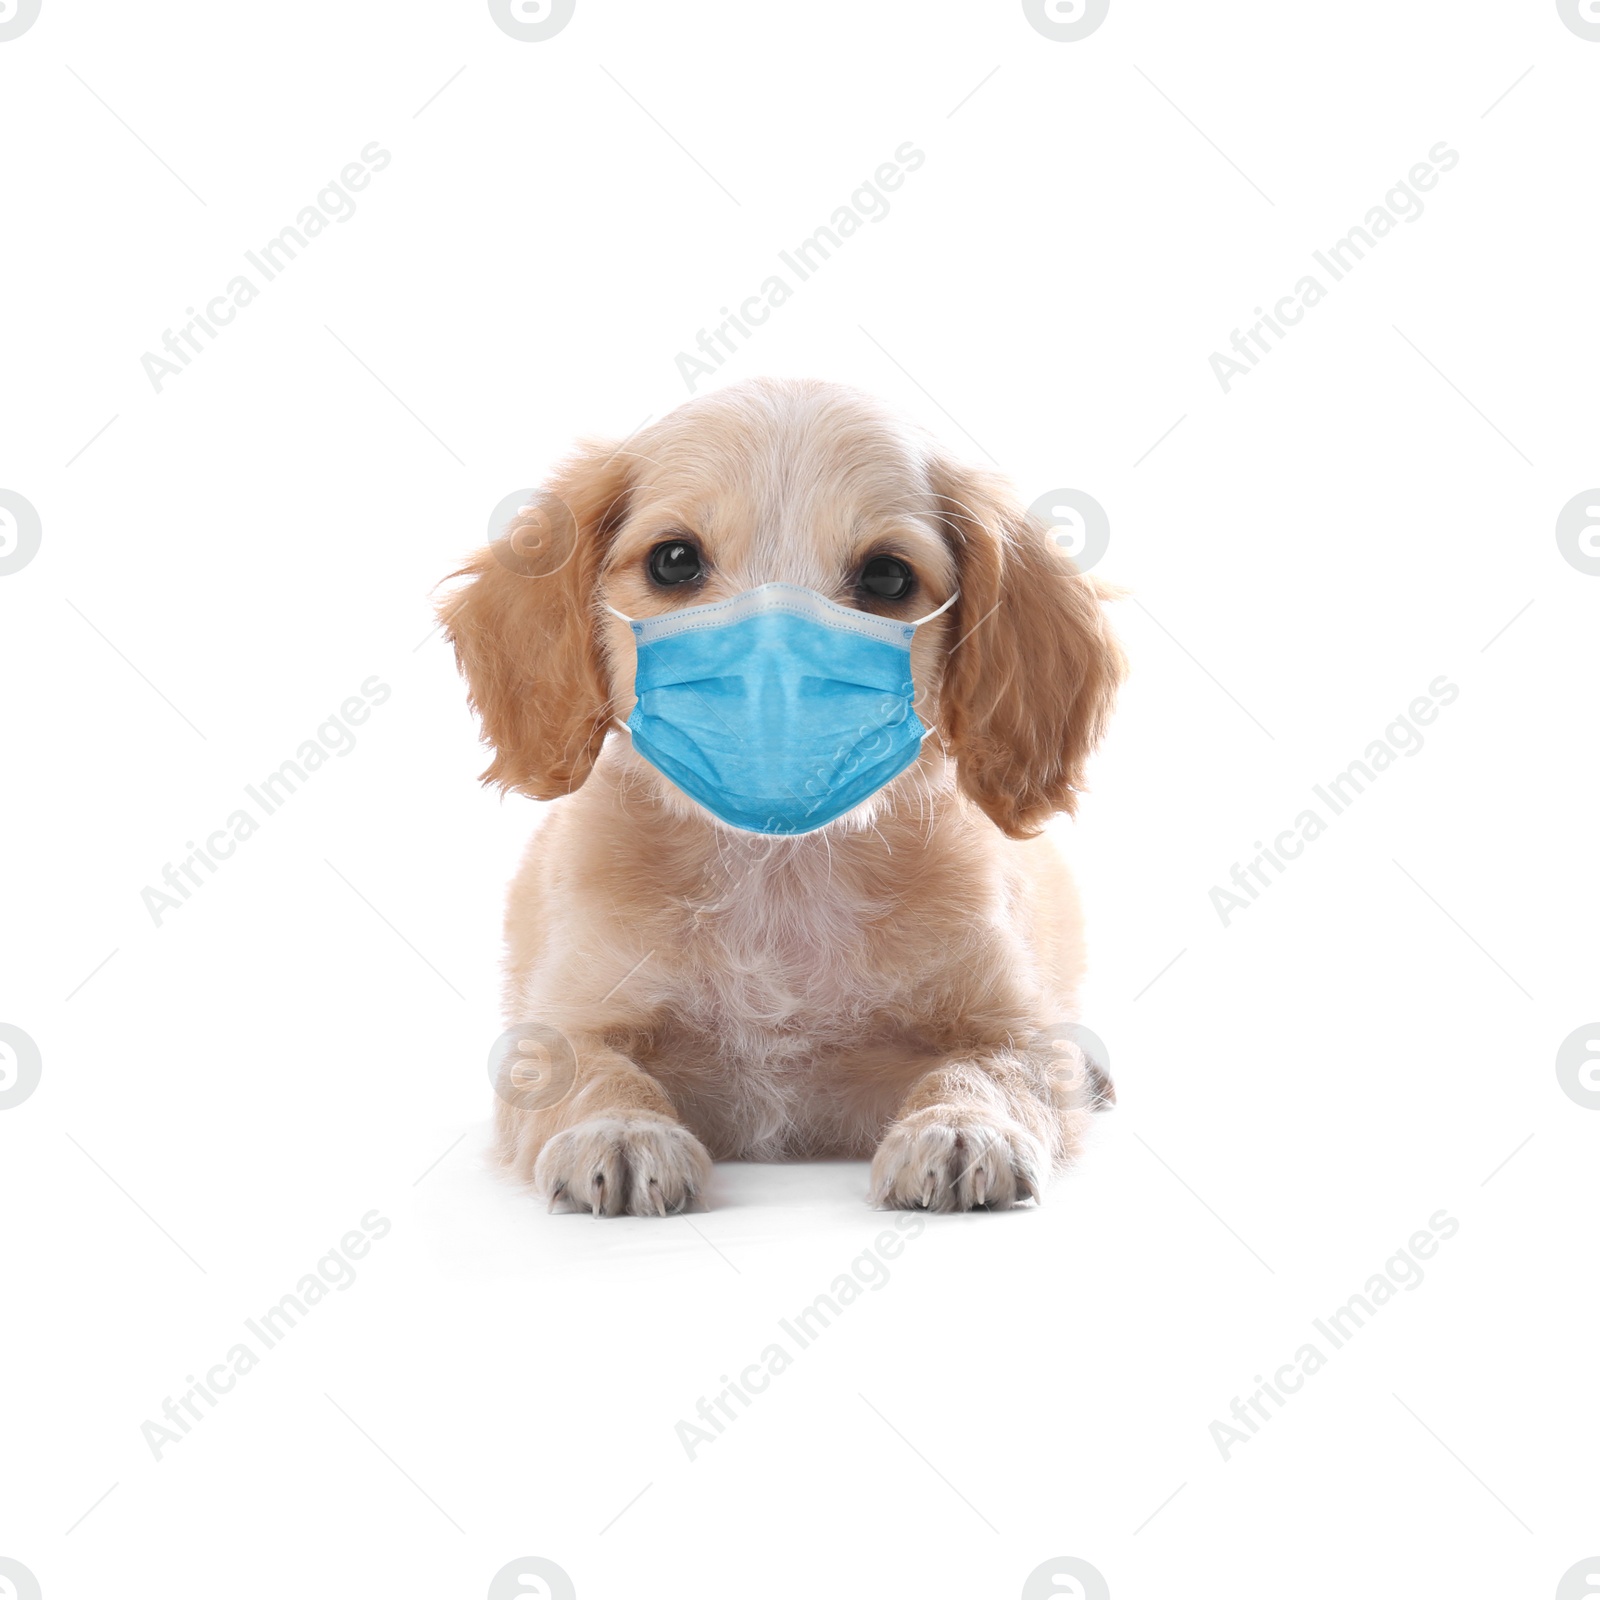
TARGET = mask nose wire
x,y
622,616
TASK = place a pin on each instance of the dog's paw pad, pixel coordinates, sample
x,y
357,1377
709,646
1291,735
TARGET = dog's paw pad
x,y
943,1160
622,1166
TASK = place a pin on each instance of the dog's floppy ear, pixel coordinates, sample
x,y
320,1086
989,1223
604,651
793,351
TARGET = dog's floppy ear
x,y
524,629
1034,670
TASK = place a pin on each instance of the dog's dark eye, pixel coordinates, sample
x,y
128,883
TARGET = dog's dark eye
x,y
887,579
676,561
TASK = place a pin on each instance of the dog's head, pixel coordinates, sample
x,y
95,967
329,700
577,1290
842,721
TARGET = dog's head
x,y
804,483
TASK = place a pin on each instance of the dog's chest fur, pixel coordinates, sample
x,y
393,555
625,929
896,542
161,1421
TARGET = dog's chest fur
x,y
783,983
783,955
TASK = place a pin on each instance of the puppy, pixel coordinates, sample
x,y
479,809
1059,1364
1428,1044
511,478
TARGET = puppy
x,y
898,982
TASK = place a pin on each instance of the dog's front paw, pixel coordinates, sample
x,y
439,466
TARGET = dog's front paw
x,y
616,1166
942,1159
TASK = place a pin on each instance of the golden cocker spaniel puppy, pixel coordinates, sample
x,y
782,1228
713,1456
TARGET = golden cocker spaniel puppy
x,y
804,691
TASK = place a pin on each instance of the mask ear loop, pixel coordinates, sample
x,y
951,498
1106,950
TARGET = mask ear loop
x,y
932,614
929,618
621,616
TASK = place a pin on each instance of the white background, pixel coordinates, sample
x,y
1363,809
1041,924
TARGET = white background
x,y
1374,1039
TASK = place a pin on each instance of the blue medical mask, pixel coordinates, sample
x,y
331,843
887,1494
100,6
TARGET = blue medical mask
x,y
777,710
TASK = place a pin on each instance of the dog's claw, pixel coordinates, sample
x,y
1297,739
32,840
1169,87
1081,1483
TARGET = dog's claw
x,y
617,1167
934,1160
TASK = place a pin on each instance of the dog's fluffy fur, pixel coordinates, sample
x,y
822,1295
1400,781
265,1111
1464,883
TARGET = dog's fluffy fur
x,y
894,985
